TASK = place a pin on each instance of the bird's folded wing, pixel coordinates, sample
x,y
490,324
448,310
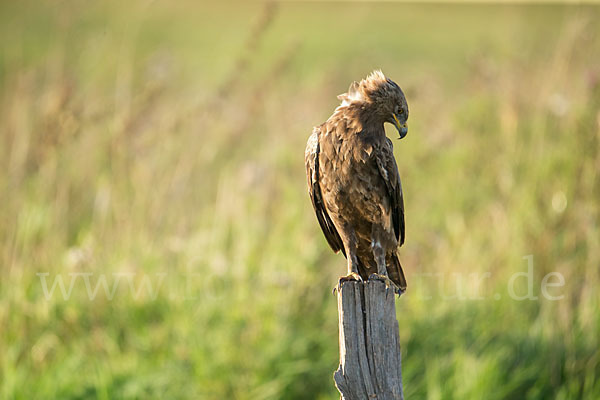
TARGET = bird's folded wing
x,y
311,158
389,172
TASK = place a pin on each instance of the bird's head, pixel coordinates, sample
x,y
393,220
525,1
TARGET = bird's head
x,y
380,99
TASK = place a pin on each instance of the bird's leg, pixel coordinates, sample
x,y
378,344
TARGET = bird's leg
x,y
379,255
353,274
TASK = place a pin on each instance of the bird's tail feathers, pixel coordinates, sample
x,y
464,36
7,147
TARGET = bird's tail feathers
x,y
396,273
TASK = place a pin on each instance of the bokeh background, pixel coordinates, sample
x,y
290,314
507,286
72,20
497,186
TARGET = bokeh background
x,y
157,148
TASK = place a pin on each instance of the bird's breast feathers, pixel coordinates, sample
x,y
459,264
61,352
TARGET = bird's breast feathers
x,y
350,149
350,164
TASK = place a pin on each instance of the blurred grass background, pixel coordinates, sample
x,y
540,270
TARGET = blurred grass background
x,y
165,141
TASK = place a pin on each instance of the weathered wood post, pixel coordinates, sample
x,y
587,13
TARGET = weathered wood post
x,y
370,359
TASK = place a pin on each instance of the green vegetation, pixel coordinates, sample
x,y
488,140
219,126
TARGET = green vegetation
x,y
160,145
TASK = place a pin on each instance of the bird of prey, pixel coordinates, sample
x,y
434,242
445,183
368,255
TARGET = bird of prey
x,y
353,179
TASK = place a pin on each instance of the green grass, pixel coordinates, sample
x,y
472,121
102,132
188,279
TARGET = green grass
x,y
165,143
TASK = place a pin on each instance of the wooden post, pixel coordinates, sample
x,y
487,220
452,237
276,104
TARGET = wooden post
x,y
370,359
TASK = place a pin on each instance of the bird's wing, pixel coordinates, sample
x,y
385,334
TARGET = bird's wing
x,y
311,158
389,172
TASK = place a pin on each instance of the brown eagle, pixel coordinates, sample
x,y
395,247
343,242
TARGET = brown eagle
x,y
353,179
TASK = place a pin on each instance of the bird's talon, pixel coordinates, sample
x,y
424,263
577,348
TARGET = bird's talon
x,y
353,276
379,277
385,279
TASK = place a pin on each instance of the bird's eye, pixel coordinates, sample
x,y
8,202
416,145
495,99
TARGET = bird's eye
x,y
400,111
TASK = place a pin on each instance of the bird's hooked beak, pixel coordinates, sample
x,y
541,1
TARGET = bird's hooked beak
x,y
402,127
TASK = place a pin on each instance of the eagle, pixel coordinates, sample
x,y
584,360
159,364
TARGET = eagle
x,y
353,179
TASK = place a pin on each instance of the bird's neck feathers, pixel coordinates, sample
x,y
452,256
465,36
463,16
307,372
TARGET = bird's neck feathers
x,y
357,119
